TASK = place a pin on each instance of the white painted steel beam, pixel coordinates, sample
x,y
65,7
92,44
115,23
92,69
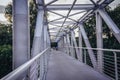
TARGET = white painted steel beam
x,y
67,46
37,46
72,44
60,22
38,33
68,6
99,41
75,45
80,44
67,16
21,34
112,26
91,53
62,16
68,42
51,2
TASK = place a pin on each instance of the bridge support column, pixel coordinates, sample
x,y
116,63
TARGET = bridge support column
x,y
37,43
91,54
80,45
68,43
99,41
75,45
21,34
45,58
112,26
72,44
65,45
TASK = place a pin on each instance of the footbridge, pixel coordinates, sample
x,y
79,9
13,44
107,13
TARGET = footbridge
x,y
57,21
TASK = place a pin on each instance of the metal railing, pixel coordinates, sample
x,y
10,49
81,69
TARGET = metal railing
x,y
111,60
17,72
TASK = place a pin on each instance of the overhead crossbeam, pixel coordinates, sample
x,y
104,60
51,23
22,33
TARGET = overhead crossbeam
x,y
60,22
61,17
51,2
86,16
68,6
64,16
67,15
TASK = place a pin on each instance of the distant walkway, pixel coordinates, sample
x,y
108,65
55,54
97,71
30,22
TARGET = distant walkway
x,y
63,67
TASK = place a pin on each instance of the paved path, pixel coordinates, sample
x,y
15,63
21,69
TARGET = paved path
x,y
63,67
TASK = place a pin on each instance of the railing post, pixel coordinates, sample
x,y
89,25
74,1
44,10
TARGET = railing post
x,y
21,34
116,66
99,42
85,57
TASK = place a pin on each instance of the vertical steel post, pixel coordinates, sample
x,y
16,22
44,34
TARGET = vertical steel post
x,y
21,34
45,46
68,40
67,46
80,45
75,44
116,66
42,59
91,54
85,57
37,42
99,41
72,48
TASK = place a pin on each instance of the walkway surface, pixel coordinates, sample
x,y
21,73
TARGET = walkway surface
x,y
64,67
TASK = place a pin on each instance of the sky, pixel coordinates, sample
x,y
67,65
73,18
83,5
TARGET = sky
x,y
4,3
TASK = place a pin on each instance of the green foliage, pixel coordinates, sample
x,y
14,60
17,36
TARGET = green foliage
x,y
109,40
33,15
90,29
8,12
5,34
5,59
5,49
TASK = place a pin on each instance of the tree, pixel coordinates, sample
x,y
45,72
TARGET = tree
x,y
109,40
5,49
8,12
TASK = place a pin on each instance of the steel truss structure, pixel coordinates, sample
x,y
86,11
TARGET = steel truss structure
x,y
56,23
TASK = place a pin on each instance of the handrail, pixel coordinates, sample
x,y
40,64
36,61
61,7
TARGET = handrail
x,y
14,74
100,49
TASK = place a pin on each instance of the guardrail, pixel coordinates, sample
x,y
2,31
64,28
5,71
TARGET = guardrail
x,y
17,72
111,60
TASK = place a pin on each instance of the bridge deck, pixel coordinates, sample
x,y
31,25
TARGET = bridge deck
x,y
63,67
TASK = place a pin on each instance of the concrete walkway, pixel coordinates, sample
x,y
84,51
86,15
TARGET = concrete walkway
x,y
63,67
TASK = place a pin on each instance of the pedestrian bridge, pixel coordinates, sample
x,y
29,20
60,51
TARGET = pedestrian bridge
x,y
73,59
